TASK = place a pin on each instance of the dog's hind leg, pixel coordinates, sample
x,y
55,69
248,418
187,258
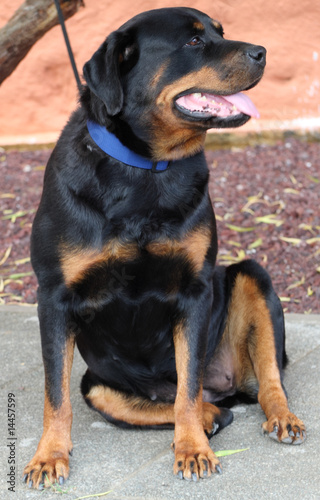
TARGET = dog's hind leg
x,y
126,410
255,331
130,411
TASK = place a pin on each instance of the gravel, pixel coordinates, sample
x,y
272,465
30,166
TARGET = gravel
x,y
266,201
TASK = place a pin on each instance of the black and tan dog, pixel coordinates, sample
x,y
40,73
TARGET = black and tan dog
x,y
124,246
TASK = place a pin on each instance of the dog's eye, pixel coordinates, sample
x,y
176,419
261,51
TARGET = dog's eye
x,y
196,40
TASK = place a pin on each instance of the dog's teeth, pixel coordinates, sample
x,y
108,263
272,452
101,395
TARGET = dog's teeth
x,y
197,95
213,102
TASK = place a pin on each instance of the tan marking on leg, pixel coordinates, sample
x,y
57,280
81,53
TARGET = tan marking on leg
x,y
75,262
248,308
52,455
255,357
133,410
136,410
193,455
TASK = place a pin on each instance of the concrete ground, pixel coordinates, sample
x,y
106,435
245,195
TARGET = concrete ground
x,y
137,465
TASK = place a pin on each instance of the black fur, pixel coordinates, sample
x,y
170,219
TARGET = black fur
x,y
125,257
122,311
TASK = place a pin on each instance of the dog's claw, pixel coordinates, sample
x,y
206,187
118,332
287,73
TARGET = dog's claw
x,y
273,435
287,440
194,476
61,480
215,427
25,478
180,474
218,469
297,441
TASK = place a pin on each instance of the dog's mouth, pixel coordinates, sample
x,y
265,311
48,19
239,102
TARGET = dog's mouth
x,y
203,105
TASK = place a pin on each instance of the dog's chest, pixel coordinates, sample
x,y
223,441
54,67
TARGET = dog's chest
x,y
127,269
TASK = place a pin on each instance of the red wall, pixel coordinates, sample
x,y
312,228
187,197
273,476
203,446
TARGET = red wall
x,y
38,97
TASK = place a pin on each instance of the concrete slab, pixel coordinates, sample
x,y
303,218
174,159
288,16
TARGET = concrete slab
x,y
136,465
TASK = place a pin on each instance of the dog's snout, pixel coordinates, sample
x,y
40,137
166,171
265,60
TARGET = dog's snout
x,y
257,53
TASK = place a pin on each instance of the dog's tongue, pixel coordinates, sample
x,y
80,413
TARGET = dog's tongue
x,y
243,103
218,105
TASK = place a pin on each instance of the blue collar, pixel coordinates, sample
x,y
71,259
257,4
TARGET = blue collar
x,y
111,145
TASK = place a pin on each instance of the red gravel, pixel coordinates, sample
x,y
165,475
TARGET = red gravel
x,y
280,183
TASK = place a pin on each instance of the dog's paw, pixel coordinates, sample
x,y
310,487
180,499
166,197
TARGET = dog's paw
x,y
286,429
44,471
196,464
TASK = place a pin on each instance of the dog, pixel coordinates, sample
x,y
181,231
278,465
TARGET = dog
x,y
124,246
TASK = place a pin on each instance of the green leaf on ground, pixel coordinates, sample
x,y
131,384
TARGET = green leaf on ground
x,y
19,275
297,283
6,255
310,241
269,219
291,191
13,217
96,495
293,241
240,229
314,179
225,453
257,243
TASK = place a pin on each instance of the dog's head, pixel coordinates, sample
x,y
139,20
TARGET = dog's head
x,y
167,76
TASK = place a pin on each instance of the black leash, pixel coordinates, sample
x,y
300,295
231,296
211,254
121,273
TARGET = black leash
x,y
66,38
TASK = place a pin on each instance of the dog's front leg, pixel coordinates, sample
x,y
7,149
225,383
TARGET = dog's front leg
x,y
51,460
193,455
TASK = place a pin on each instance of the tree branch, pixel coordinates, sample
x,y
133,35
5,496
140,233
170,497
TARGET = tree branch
x,y
28,24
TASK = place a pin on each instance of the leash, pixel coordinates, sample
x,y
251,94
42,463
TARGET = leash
x,y
106,141
66,39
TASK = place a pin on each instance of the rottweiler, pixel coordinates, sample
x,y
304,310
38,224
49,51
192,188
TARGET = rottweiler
x,y
124,246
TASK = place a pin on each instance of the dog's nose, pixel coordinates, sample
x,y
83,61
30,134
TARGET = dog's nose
x,y
258,54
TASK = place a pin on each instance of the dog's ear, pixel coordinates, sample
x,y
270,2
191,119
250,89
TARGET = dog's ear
x,y
102,72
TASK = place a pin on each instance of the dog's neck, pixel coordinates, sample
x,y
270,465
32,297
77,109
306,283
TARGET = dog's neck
x,y
111,145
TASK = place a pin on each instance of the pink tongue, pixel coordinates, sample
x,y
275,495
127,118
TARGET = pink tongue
x,y
243,103
220,106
